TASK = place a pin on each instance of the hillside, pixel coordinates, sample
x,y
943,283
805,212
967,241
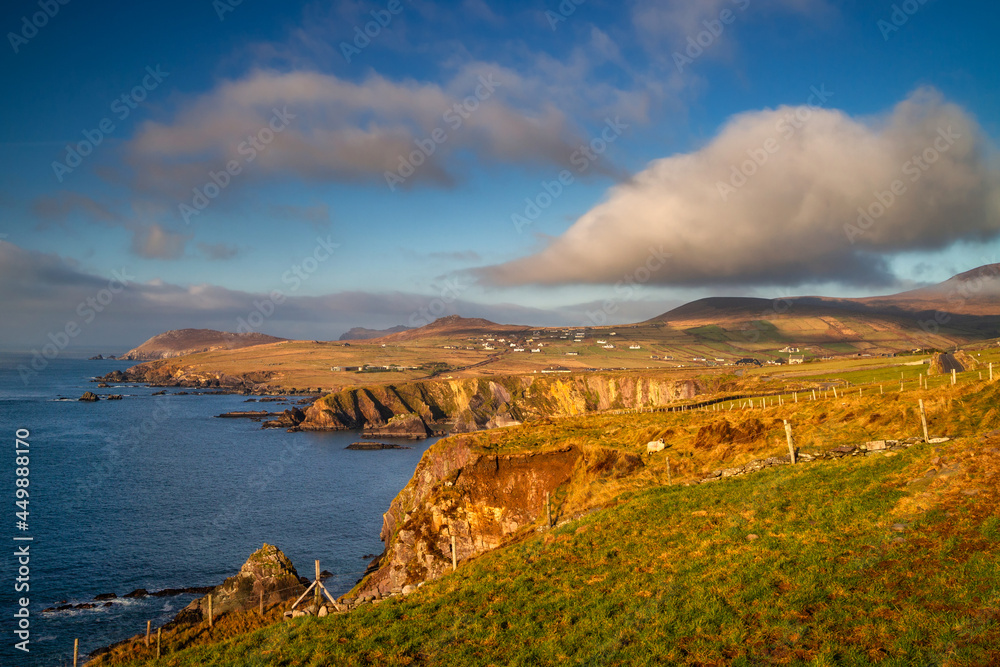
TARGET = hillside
x,y
963,304
361,333
454,326
704,336
191,341
868,554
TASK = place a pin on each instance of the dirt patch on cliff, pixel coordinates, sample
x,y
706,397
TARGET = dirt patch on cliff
x,y
613,463
723,432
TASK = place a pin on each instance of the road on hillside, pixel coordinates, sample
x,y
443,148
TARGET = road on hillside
x,y
949,363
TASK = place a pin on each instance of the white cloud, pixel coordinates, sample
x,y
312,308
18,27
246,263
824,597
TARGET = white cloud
x,y
795,219
348,131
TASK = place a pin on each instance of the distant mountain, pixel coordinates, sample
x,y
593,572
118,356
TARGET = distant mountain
x,y
964,307
190,341
974,293
360,333
453,325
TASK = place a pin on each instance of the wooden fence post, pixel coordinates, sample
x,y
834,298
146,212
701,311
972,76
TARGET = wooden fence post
x,y
319,592
923,420
209,610
159,633
76,651
791,445
148,624
954,377
454,555
835,393
881,389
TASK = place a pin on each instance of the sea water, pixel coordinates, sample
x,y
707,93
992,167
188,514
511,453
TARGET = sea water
x,y
156,492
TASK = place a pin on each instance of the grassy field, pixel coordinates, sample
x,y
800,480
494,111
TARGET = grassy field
x,y
890,559
462,352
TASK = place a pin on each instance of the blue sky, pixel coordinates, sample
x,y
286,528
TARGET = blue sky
x,y
332,116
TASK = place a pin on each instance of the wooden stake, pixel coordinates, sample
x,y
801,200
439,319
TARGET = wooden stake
x,y
319,594
814,394
76,651
796,394
454,555
835,393
148,624
159,633
954,377
791,445
859,391
923,420
881,389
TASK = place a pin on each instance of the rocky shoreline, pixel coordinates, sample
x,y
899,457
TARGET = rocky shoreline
x,y
108,599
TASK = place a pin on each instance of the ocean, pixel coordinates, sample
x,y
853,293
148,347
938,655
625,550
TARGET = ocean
x,y
154,492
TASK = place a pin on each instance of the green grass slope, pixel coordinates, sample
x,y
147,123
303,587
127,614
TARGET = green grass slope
x,y
887,559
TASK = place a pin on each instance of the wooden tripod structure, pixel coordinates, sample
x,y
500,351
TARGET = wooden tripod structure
x,y
318,585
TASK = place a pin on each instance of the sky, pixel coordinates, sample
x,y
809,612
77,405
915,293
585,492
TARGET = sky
x,y
301,168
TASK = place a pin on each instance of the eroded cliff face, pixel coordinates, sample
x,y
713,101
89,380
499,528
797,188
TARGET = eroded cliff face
x,y
473,404
483,499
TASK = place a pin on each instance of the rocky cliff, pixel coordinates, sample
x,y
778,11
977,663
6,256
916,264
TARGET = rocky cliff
x,y
472,404
479,497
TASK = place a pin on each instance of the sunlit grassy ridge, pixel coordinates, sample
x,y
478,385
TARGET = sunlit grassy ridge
x,y
886,559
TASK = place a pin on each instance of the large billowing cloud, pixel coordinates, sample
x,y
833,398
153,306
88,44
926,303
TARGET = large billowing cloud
x,y
783,197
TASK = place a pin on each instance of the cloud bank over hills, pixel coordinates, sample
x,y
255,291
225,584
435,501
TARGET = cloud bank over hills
x,y
787,196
